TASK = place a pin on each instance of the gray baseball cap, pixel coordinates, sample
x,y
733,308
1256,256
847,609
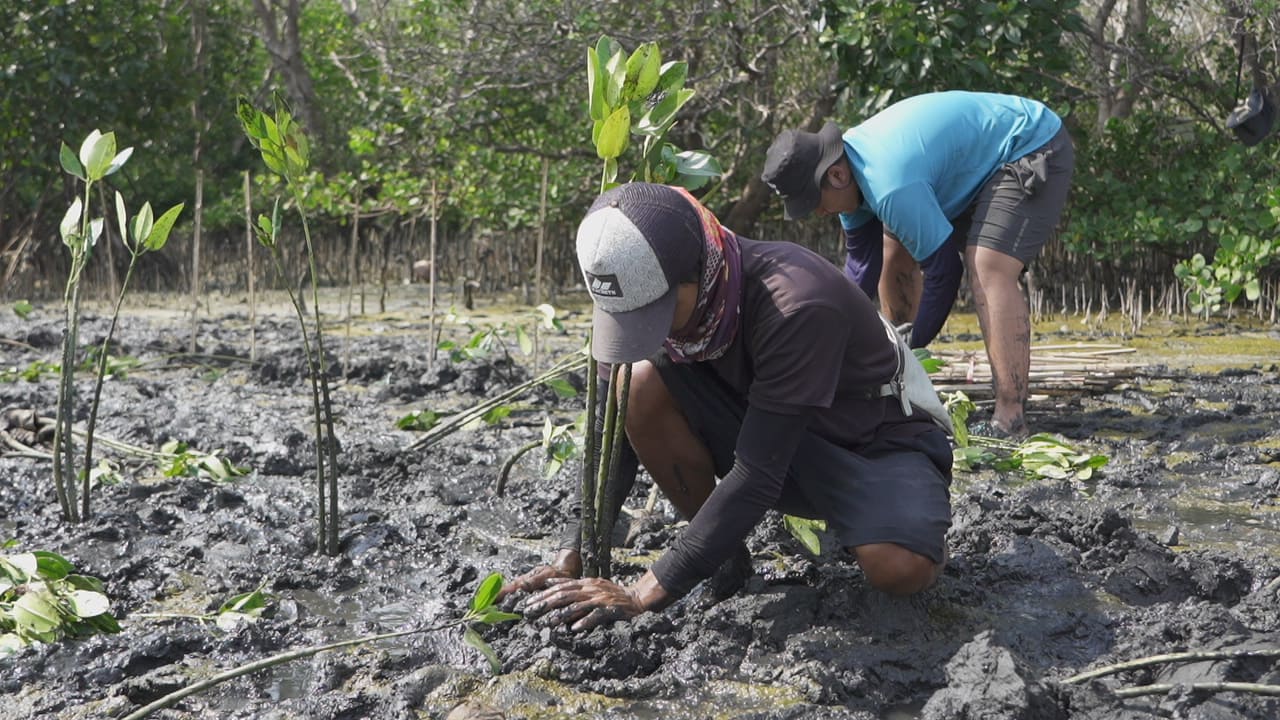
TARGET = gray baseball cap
x,y
637,243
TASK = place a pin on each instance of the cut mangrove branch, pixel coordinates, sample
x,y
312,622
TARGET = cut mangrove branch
x,y
1241,687
1189,656
458,420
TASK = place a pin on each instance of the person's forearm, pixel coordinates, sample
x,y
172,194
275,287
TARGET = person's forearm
x,y
568,561
900,281
649,593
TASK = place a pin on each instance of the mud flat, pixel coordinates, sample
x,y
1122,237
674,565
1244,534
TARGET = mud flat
x,y
1174,547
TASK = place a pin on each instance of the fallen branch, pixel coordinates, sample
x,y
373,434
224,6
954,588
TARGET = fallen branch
x,y
458,420
1252,688
1189,656
272,661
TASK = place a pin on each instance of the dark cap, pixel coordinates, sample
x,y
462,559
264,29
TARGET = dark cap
x,y
795,164
1253,119
638,242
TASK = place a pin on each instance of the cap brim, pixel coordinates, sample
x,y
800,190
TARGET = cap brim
x,y
632,336
798,206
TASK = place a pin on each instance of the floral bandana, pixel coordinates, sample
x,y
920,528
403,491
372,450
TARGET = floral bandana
x,y
714,322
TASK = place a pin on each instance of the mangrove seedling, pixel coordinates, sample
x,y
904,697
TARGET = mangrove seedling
x,y
242,609
96,160
143,234
43,599
1041,456
628,95
286,151
182,461
80,232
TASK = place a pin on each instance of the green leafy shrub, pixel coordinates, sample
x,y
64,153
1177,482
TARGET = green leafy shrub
x,y
42,599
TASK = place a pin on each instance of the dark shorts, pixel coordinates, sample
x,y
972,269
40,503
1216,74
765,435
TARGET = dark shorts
x,y
893,490
1018,209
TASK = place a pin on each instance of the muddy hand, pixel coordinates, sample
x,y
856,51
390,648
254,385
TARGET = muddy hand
x,y
532,581
582,604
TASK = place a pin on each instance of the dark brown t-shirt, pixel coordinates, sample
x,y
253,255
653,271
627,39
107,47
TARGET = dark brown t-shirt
x,y
809,345
809,339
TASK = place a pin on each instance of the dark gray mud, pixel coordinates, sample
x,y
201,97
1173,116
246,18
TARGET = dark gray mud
x,y
1046,579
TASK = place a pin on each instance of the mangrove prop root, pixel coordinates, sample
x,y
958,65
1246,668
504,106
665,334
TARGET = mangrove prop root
x,y
264,663
611,503
501,488
587,503
1189,656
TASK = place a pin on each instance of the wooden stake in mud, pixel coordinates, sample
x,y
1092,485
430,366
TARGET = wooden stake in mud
x,y
537,263
351,280
248,258
587,511
195,259
431,284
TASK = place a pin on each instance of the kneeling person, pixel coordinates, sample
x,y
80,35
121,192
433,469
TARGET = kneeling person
x,y
762,364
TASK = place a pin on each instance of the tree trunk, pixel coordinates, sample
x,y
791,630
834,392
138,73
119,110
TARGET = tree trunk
x,y
282,41
745,213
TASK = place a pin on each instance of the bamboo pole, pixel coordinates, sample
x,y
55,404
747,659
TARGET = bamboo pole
x,y
431,283
195,257
248,256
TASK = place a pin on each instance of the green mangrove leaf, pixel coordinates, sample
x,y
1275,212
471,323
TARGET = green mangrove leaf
x,y
524,341
122,218
142,224
614,134
118,161
35,614
595,87
472,638
84,582
486,592
96,154
643,68
87,604
492,616
562,387
805,530
23,308
52,566
251,119
67,158
672,76
95,230
25,563
70,225
159,234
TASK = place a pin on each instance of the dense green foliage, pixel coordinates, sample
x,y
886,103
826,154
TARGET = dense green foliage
x,y
475,100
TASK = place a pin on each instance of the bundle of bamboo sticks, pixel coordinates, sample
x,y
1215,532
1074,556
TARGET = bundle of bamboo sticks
x,y
1055,369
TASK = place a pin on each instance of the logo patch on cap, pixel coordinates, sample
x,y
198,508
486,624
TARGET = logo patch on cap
x,y
604,285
